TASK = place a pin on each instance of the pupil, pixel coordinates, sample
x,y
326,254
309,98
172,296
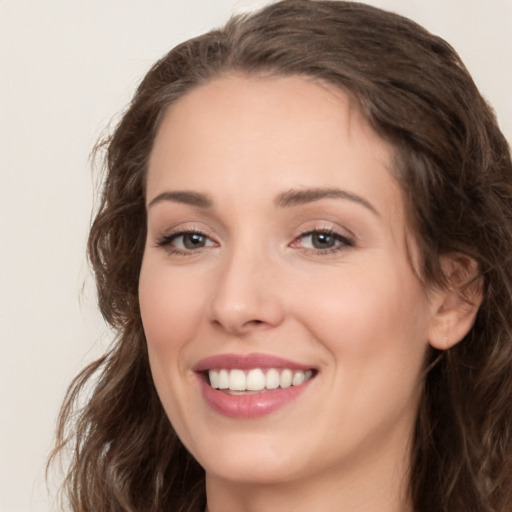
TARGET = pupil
x,y
193,241
322,241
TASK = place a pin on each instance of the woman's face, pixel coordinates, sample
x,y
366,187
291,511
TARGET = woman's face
x,y
278,263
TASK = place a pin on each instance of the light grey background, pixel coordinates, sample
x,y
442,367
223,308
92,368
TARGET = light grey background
x,y
66,69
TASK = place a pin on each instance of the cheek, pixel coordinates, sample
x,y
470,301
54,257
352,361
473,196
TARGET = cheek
x,y
370,321
171,306
374,330
170,309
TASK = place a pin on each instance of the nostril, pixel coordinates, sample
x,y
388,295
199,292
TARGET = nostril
x,y
254,323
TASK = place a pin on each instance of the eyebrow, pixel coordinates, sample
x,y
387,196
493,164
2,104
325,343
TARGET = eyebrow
x,y
309,195
184,197
285,200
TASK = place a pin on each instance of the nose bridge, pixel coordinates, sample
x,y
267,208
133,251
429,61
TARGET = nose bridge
x,y
246,295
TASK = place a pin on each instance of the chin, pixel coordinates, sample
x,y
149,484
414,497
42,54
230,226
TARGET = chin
x,y
252,472
251,462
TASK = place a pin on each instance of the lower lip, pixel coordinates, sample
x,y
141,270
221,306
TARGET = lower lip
x,y
251,405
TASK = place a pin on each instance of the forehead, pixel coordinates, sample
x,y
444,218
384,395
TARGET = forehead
x,y
238,133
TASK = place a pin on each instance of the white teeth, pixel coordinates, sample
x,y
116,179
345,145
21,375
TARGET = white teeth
x,y
223,379
298,378
237,380
286,379
272,379
214,379
256,379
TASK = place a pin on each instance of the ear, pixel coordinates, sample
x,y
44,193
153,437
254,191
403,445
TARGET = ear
x,y
455,305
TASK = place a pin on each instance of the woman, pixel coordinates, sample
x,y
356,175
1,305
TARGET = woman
x,y
303,242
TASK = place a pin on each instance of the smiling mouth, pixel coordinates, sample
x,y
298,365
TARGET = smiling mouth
x,y
239,381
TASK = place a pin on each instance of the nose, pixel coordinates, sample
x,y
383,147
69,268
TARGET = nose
x,y
247,295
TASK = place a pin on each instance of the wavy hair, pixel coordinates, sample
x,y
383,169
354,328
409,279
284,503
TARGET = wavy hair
x,y
454,167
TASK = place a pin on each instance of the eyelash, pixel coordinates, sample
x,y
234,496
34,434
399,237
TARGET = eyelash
x,y
167,240
342,242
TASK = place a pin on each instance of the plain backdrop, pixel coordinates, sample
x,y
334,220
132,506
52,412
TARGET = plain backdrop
x,y
66,69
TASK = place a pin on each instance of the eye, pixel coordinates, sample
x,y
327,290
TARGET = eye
x,y
323,241
185,242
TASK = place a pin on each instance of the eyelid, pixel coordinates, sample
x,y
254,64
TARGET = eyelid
x,y
325,226
169,228
344,238
169,237
165,240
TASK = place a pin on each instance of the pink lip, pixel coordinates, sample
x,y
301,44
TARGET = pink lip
x,y
251,405
246,362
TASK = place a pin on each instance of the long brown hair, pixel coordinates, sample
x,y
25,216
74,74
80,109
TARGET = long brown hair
x,y
454,166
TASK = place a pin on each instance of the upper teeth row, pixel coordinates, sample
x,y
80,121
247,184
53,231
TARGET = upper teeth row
x,y
256,379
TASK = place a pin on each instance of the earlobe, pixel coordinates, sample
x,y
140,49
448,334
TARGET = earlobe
x,y
456,304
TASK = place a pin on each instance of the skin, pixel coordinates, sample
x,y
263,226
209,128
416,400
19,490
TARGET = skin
x,y
356,312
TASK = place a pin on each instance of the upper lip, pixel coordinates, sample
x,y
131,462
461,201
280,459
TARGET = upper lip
x,y
247,361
